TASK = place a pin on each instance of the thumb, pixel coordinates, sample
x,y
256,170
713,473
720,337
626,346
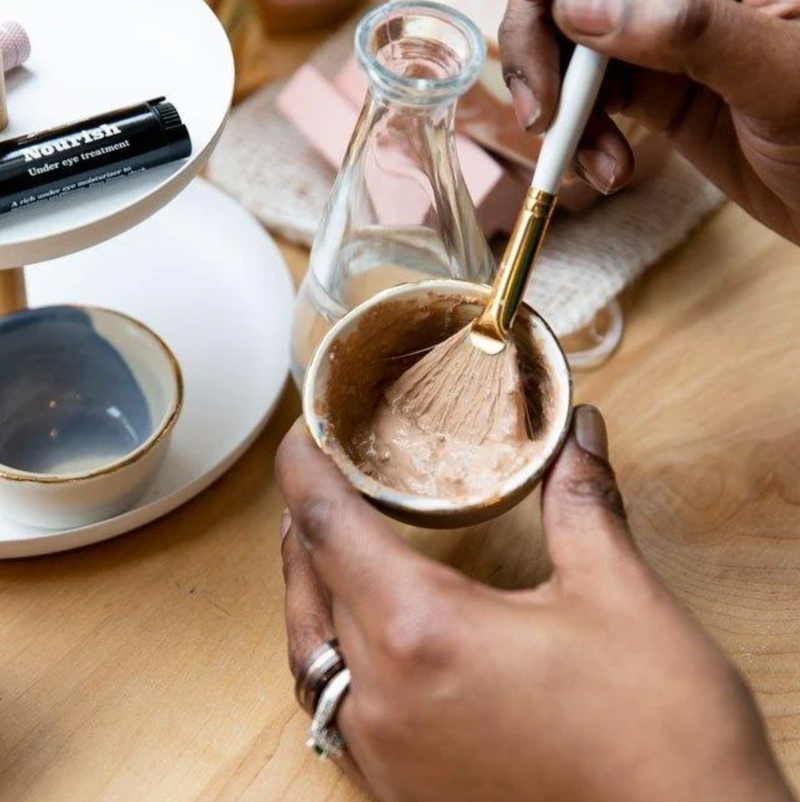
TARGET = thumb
x,y
732,48
582,509
364,564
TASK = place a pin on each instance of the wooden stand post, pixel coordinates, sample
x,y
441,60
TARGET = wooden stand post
x,y
12,290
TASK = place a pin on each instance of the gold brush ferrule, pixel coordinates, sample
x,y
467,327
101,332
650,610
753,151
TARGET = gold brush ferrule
x,y
516,265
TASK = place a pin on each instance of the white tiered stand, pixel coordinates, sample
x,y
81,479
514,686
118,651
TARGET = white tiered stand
x,y
200,272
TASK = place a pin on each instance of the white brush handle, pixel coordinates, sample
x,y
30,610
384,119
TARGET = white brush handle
x,y
578,94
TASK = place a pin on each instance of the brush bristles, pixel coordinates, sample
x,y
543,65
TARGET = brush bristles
x,y
459,391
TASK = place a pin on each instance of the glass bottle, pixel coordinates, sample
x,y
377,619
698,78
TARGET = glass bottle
x,y
399,210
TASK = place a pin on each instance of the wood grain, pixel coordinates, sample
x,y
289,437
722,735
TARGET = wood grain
x,y
153,667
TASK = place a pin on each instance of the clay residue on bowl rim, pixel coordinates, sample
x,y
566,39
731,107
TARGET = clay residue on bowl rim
x,y
390,337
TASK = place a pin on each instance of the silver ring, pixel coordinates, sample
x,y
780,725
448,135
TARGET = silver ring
x,y
323,737
324,663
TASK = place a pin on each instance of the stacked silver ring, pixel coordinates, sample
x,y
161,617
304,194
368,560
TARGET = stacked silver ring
x,y
323,737
322,665
321,686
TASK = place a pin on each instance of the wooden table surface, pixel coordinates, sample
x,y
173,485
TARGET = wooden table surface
x,y
153,667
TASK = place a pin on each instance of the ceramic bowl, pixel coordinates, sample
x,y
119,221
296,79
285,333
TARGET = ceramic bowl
x,y
88,401
461,302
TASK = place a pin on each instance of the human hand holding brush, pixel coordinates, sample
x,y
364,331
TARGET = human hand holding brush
x,y
594,686
718,77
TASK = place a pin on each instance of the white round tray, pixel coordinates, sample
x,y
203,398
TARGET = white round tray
x,y
205,276
92,56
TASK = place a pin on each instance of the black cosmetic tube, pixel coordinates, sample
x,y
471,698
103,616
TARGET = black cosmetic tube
x,y
120,143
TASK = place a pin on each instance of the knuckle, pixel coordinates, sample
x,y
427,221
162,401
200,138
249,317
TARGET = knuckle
x,y
596,484
510,26
317,516
521,20
689,21
304,638
511,36
421,638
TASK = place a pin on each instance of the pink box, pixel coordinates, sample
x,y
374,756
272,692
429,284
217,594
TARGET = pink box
x,y
327,119
483,175
322,115
309,98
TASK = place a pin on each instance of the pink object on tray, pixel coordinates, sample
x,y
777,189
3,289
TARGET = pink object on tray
x,y
15,45
322,115
482,174
326,120
350,81
309,98
496,192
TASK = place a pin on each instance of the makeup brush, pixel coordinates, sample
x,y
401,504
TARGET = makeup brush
x,y
469,386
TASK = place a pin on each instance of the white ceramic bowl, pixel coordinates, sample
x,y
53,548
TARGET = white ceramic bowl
x,y
88,401
417,300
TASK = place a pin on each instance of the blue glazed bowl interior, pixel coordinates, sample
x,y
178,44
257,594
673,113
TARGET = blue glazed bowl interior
x,y
80,389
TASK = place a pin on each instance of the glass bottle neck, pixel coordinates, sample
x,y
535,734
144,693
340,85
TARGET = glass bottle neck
x,y
418,55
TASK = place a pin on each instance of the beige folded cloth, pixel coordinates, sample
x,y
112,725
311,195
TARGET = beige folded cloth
x,y
588,260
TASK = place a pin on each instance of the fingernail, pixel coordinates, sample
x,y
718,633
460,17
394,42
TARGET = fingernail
x,y
286,524
526,106
600,169
592,17
590,431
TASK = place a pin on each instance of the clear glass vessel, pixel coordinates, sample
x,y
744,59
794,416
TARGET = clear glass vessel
x,y
399,210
